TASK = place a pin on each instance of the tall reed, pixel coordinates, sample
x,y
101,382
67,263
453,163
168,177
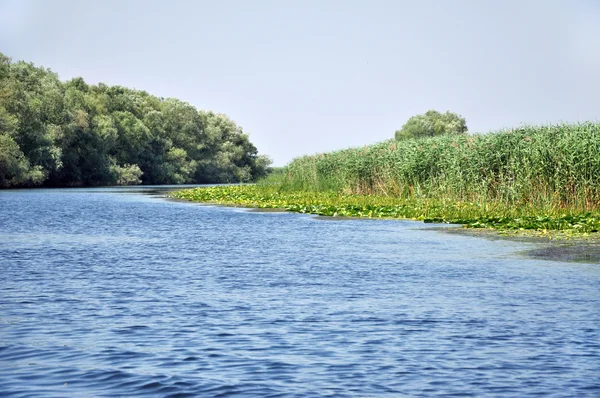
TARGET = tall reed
x,y
555,167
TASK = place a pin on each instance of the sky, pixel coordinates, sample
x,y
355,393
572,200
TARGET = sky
x,y
309,76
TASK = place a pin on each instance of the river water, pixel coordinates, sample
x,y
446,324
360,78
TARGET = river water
x,y
120,292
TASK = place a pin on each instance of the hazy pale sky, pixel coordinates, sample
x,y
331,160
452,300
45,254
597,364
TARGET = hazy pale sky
x,y
317,75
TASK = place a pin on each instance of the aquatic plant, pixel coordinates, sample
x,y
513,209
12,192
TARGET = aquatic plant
x,y
556,166
531,178
469,214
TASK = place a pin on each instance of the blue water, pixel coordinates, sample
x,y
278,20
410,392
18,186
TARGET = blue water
x,y
117,292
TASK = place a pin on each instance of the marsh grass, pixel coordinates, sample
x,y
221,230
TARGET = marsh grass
x,y
556,166
532,178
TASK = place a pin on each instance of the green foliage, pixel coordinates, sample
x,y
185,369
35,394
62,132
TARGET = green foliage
x,y
70,133
431,124
547,166
13,164
14,167
543,179
128,174
471,214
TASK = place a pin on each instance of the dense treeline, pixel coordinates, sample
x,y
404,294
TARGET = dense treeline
x,y
56,133
554,167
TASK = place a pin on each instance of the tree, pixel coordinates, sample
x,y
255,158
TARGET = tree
x,y
128,174
431,124
72,133
14,166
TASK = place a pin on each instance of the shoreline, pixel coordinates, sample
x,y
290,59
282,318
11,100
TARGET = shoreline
x,y
503,220
558,245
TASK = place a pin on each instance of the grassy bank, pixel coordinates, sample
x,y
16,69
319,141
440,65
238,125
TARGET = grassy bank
x,y
531,178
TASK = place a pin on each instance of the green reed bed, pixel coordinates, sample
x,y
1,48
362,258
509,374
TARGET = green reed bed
x,y
535,178
552,165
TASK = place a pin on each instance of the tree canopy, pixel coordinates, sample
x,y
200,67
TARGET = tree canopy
x,y
432,123
56,133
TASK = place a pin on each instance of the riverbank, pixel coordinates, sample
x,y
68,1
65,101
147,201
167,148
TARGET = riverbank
x,y
548,222
532,180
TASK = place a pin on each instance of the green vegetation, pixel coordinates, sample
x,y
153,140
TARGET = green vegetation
x,y
70,133
469,214
531,178
431,124
550,167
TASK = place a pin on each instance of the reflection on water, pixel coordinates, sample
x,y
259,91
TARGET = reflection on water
x,y
118,292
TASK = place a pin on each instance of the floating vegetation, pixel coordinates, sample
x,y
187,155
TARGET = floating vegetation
x,y
468,214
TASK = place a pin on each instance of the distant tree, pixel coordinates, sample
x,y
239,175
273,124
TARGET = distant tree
x,y
14,166
262,166
128,174
71,133
4,66
178,167
432,123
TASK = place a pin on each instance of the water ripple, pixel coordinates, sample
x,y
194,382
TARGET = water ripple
x,y
104,294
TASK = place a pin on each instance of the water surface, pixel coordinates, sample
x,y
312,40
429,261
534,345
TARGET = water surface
x,y
119,292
